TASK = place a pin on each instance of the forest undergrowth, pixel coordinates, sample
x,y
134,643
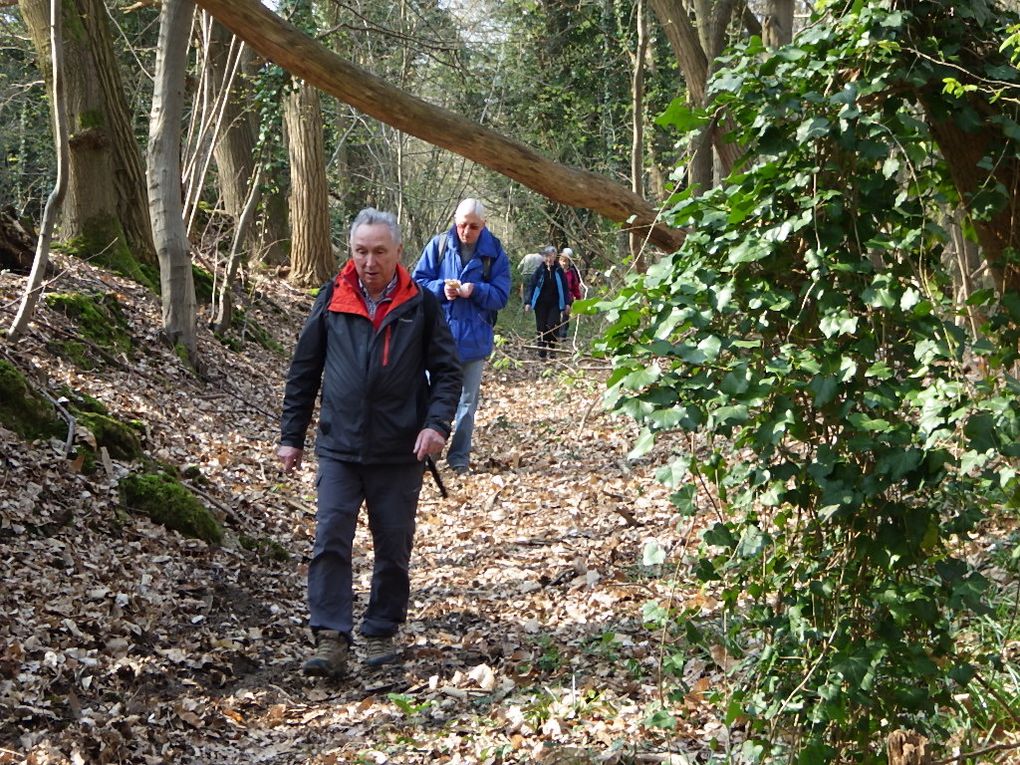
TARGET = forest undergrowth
x,y
123,642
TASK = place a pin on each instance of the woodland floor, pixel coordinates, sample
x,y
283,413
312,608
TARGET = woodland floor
x,y
123,642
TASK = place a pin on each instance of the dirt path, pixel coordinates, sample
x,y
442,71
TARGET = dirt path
x,y
122,642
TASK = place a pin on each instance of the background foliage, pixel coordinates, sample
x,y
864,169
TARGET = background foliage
x,y
852,435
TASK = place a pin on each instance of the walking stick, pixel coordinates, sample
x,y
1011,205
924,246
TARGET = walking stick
x,y
431,465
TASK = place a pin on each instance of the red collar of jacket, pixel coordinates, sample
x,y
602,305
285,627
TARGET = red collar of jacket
x,y
347,296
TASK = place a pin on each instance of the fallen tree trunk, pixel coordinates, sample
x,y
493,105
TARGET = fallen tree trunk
x,y
17,246
284,44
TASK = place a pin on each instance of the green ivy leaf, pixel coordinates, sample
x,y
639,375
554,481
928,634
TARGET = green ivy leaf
x,y
643,445
719,534
839,323
812,128
682,117
652,554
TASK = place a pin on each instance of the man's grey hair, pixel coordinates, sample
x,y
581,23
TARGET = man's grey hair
x,y
471,205
547,249
371,217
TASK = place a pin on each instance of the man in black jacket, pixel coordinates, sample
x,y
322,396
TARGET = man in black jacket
x,y
371,336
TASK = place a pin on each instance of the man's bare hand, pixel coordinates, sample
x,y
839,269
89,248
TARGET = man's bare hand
x,y
429,441
290,456
454,289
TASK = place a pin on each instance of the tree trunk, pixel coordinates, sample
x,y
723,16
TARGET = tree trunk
x,y
16,244
273,229
982,158
694,61
307,59
164,175
965,152
905,747
311,256
234,146
129,178
964,265
42,253
94,213
637,157
225,306
777,26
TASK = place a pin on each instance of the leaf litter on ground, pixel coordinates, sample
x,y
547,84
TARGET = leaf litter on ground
x,y
122,641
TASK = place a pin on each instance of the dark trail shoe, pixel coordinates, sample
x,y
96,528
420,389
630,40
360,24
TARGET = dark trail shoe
x,y
330,658
380,650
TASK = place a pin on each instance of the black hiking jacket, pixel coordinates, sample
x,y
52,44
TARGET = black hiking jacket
x,y
375,394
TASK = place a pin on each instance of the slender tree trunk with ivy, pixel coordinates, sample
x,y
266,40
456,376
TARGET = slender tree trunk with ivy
x,y
637,143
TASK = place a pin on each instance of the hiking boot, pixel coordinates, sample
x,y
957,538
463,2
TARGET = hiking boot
x,y
330,658
380,649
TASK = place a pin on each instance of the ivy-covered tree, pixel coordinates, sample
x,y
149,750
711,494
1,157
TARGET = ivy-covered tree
x,y
846,434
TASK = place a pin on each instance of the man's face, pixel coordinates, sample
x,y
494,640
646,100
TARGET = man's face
x,y
469,227
375,256
550,258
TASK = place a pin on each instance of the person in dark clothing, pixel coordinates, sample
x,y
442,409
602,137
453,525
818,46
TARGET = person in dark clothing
x,y
573,278
548,299
369,340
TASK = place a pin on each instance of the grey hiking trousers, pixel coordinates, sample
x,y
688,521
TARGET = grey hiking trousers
x,y
390,494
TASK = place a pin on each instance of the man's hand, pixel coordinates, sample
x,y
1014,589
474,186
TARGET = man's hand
x,y
429,441
527,307
454,289
290,456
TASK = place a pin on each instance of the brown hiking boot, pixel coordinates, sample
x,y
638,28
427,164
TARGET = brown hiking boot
x,y
330,658
380,649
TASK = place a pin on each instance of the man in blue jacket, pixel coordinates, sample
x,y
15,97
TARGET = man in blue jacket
x,y
467,269
371,336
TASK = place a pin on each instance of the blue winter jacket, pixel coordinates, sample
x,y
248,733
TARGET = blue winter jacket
x,y
470,319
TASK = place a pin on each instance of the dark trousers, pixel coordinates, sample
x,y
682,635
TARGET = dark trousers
x,y
564,330
547,320
390,494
